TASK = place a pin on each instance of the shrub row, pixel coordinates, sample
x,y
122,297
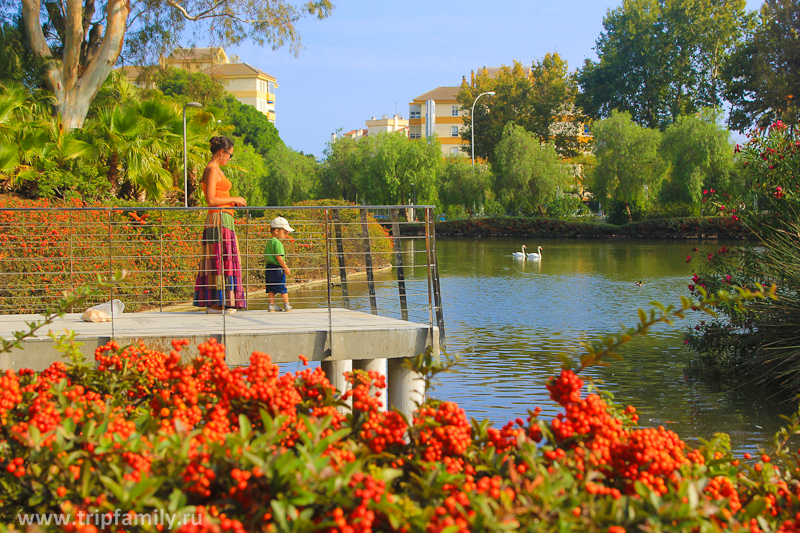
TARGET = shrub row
x,y
673,228
47,252
250,449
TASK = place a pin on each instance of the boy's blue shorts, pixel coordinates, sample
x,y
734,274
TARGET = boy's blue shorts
x,y
276,280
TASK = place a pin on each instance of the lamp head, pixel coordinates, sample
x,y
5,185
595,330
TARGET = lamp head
x,y
491,93
193,104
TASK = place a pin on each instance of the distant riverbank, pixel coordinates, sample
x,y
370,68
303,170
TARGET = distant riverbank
x,y
670,228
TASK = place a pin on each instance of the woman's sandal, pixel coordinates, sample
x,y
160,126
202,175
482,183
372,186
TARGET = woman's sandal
x,y
212,311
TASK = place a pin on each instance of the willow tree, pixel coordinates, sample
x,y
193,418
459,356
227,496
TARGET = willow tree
x,y
81,41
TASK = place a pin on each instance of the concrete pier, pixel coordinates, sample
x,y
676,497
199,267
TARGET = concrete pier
x,y
348,339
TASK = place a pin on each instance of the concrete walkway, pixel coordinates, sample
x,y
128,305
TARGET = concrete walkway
x,y
282,335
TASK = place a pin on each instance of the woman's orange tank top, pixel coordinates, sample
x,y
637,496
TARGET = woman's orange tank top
x,y
223,191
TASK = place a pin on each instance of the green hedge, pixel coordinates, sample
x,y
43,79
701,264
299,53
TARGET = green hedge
x,y
669,228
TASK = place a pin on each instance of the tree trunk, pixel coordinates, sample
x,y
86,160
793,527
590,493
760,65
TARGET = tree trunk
x,y
75,84
628,210
113,172
192,186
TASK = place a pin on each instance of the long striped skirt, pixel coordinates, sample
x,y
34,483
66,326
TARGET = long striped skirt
x,y
219,277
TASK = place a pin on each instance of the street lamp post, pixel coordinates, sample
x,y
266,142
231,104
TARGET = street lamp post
x,y
185,170
472,124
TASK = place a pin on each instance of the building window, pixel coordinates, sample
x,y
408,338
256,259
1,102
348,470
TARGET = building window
x,y
416,114
454,131
454,150
454,111
414,136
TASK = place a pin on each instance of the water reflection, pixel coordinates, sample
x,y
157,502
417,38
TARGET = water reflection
x,y
509,319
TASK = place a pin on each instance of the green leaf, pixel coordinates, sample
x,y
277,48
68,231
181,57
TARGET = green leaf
x,y
755,507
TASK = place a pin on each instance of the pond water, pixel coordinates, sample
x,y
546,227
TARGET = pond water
x,y
508,320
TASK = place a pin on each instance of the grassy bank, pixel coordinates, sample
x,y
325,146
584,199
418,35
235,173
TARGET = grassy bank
x,y
668,228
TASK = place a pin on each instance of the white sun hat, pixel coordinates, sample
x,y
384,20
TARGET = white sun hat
x,y
281,223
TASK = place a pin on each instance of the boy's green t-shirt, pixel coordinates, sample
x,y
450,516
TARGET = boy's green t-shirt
x,y
273,249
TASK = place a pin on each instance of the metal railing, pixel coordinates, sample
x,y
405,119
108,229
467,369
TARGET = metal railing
x,y
352,257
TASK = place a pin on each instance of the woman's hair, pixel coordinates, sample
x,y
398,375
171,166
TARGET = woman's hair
x,y
220,143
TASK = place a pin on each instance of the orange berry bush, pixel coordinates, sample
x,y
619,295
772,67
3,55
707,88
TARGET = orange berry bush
x,y
251,449
49,249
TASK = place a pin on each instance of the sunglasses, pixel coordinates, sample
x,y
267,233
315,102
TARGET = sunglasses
x,y
230,154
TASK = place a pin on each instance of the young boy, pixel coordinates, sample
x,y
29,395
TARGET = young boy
x,y
276,269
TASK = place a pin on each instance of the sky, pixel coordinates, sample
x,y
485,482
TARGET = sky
x,y
373,57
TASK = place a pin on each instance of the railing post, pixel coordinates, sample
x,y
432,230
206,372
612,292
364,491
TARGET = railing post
x,y
398,255
429,266
110,272
161,273
221,242
246,274
334,370
328,279
373,304
337,228
71,264
437,290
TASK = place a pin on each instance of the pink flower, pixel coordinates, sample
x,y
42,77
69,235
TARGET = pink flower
x,y
728,278
691,288
688,258
734,217
705,191
710,255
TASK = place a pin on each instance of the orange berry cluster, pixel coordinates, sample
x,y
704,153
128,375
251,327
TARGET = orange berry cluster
x,y
380,430
650,456
444,434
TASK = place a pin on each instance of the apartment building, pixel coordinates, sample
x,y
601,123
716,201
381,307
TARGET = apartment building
x,y
387,125
249,85
438,112
245,82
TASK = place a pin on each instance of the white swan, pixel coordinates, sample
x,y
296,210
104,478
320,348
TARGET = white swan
x,y
521,254
535,256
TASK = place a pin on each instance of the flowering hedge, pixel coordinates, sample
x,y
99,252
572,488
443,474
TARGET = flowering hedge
x,y
43,253
251,449
713,227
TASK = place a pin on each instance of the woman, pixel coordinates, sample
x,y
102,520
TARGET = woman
x,y
219,280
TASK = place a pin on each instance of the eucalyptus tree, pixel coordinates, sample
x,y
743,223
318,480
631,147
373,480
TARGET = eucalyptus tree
x,y
82,40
